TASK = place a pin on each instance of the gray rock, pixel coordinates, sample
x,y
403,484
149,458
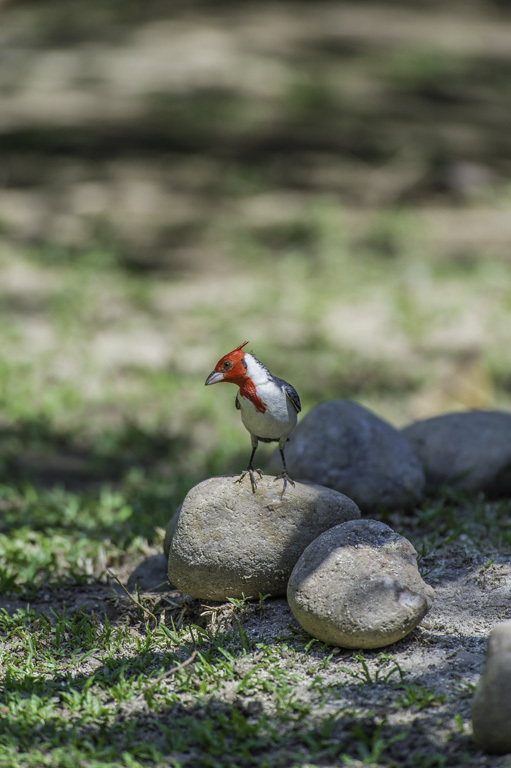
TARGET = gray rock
x,y
491,708
150,575
171,527
344,446
358,586
230,542
468,451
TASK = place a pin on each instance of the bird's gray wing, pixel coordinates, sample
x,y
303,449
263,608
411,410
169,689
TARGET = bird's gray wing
x,y
291,393
237,402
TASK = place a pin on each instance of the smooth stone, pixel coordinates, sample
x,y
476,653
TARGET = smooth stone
x,y
357,586
171,527
468,451
150,575
491,707
344,446
231,542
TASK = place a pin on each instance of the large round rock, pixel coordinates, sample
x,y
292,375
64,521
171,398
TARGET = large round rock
x,y
468,451
230,542
171,529
344,446
358,586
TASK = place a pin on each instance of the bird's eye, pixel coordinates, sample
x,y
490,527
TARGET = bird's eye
x,y
227,365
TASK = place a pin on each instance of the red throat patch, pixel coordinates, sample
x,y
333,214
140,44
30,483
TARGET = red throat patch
x,y
248,390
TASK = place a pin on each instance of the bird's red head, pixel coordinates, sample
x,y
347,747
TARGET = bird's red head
x,y
231,367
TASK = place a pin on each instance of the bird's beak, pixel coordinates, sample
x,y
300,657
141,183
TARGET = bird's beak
x,y
214,377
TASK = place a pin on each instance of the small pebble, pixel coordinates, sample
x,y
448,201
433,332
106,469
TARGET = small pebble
x,y
150,576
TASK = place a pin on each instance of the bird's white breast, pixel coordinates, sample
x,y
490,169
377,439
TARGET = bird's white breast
x,y
279,419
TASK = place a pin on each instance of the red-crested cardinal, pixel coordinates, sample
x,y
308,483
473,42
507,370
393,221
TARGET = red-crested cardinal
x,y
268,405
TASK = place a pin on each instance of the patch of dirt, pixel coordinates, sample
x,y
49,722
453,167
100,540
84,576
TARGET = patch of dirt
x,y
99,599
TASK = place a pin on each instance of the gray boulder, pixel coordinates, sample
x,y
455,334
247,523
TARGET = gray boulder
x,y
171,527
468,451
150,575
491,708
358,586
344,446
230,542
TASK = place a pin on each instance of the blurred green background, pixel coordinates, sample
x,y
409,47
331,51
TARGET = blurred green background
x,y
329,180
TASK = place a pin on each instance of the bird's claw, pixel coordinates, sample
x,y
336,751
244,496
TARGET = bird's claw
x,y
285,477
250,472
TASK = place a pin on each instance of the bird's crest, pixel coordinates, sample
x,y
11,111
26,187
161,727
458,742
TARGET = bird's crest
x,y
238,349
233,363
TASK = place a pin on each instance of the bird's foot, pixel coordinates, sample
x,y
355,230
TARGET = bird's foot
x,y
285,477
251,473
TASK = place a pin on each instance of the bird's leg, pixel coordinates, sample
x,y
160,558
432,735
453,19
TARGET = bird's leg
x,y
283,475
250,471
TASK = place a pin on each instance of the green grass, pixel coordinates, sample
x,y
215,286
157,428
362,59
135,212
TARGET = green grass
x,y
164,695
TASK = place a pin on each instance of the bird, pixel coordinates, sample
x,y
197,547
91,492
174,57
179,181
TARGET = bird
x,y
269,406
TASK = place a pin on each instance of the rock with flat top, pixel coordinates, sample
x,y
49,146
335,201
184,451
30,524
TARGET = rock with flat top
x,y
231,542
468,451
357,586
491,708
344,446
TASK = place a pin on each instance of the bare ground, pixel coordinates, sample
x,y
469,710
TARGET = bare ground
x,y
443,657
